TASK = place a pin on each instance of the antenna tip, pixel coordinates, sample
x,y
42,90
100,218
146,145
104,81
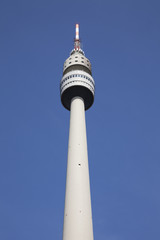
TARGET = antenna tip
x,y
77,31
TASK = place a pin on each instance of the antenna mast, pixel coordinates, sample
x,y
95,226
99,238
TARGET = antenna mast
x,y
77,40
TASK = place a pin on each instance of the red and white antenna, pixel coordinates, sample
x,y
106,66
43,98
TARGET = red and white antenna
x,y
77,40
77,32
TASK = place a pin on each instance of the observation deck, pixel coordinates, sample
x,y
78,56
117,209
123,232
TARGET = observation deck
x,y
77,80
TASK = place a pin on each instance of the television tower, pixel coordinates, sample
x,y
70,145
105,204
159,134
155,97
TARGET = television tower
x,y
77,95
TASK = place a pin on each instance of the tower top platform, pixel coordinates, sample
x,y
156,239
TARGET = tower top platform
x,y
77,77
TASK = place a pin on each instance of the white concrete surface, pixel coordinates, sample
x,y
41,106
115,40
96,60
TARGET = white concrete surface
x,y
77,213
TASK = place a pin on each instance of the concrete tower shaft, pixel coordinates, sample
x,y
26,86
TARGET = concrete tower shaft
x,y
77,213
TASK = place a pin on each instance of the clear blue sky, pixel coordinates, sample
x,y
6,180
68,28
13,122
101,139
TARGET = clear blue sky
x,y
122,41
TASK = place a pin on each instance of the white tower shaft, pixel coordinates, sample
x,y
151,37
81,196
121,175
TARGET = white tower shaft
x,y
78,213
